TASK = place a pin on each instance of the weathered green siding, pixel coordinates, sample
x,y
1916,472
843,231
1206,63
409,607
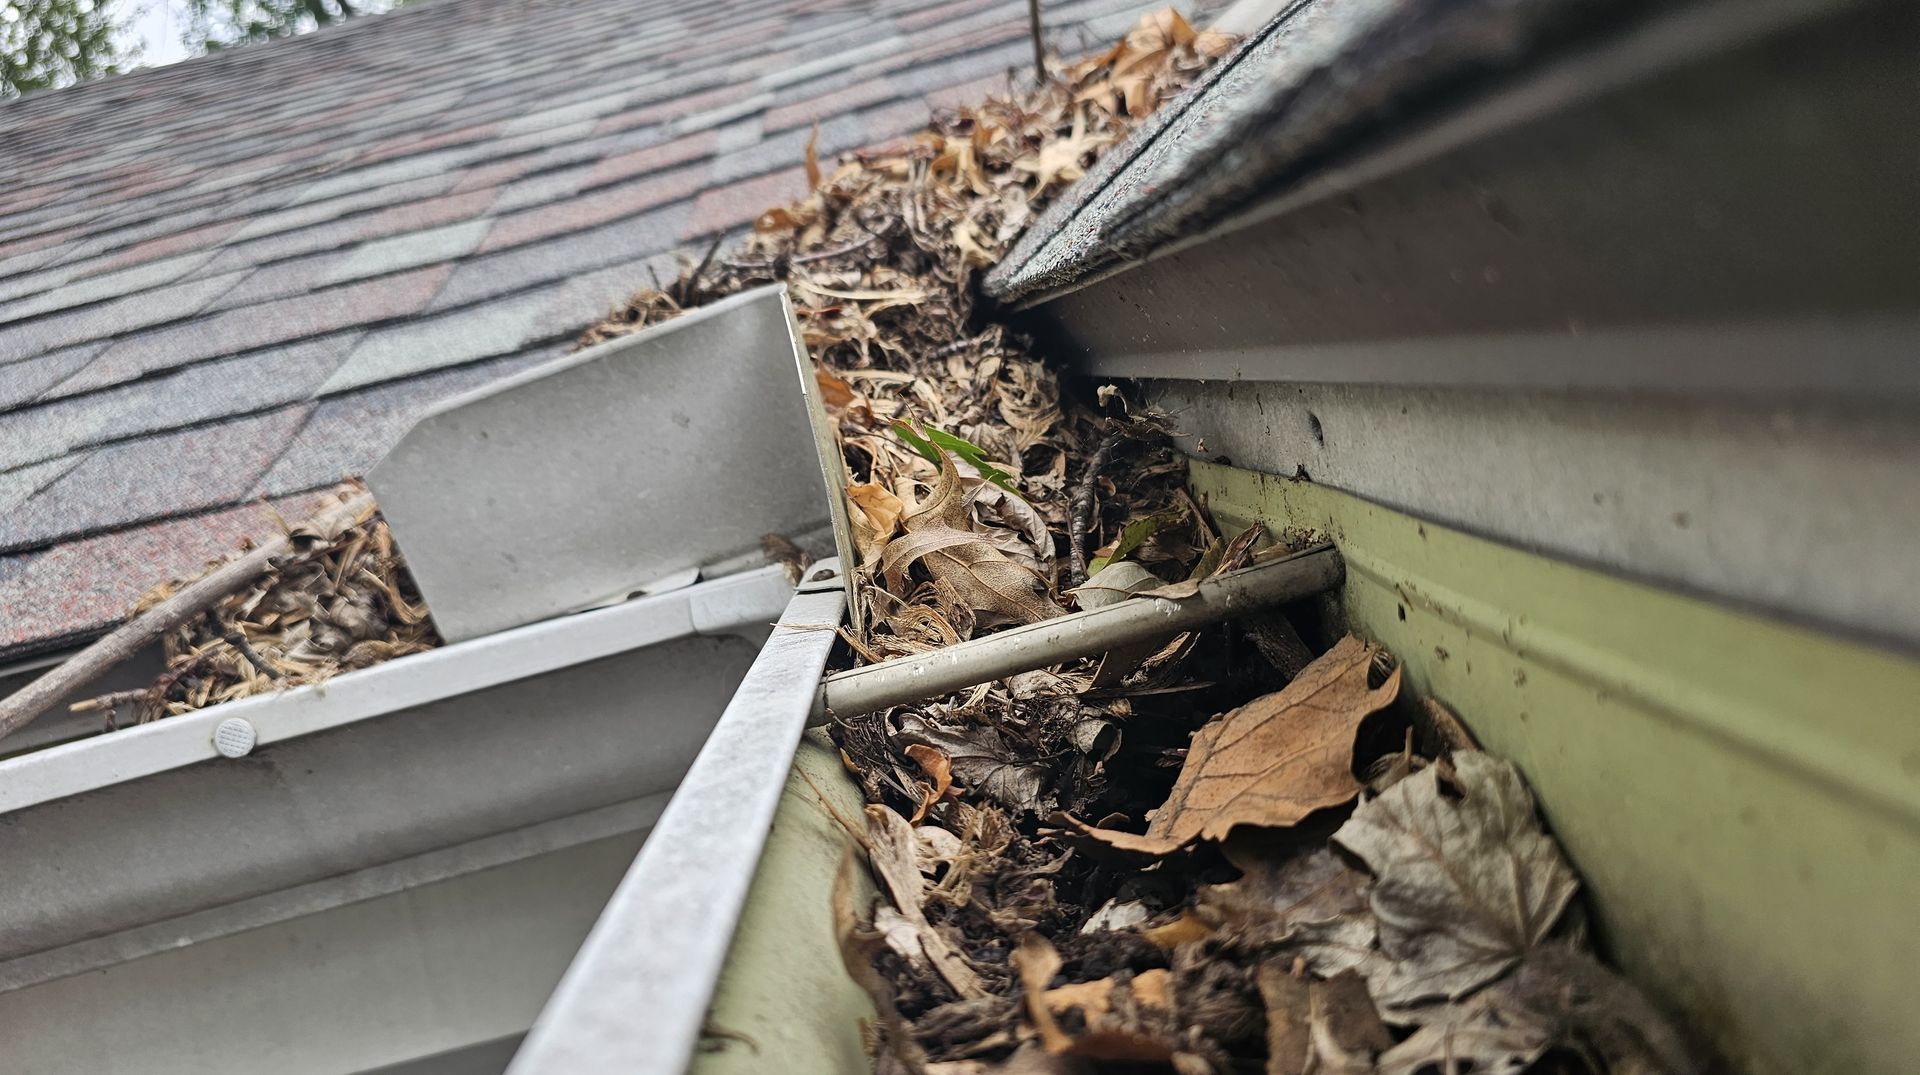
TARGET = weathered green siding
x,y
1742,796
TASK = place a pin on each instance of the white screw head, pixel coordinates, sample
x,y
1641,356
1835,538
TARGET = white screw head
x,y
234,737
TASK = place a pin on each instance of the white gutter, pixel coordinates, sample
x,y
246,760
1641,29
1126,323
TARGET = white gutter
x,y
739,603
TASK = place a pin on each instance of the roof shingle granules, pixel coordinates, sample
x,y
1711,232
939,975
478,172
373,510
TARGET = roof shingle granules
x,y
243,275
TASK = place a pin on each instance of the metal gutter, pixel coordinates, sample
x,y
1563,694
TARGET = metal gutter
x,y
635,998
1331,84
381,825
739,603
593,476
1711,773
1647,303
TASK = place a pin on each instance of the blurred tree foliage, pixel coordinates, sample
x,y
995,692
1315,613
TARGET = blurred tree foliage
x,y
216,24
46,43
53,42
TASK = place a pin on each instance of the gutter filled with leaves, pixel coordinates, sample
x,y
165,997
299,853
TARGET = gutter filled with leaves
x,y
1239,850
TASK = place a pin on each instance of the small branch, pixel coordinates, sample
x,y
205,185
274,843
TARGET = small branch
x,y
690,288
1039,42
110,702
1080,521
17,710
241,646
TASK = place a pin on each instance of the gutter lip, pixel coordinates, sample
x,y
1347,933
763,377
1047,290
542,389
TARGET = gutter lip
x,y
636,994
736,603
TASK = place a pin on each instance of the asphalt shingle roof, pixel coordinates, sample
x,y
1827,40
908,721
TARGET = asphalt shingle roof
x,y
240,277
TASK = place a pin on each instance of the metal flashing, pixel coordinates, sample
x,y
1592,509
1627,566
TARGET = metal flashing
x,y
594,475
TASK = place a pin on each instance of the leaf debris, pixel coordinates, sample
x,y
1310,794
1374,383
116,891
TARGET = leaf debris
x,y
1235,933
338,602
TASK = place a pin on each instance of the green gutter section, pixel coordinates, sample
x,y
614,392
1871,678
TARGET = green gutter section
x,y
1741,796
784,1002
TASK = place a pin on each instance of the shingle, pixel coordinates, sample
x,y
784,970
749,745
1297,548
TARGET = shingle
x,y
25,275
174,243
25,380
933,16
206,392
652,158
715,117
836,60
278,280
118,317
309,211
267,324
926,77
656,110
719,209
585,298
21,484
107,285
563,256
971,92
156,477
387,173
348,433
434,245
487,330
541,188
474,179
600,207
568,116
83,586
797,111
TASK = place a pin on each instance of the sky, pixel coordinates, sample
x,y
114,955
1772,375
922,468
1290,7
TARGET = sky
x,y
155,25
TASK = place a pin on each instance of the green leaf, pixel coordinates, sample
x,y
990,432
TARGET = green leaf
x,y
1136,534
930,444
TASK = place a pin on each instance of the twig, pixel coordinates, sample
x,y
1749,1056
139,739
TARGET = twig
x,y
773,264
110,702
1080,521
193,599
1039,43
240,644
690,287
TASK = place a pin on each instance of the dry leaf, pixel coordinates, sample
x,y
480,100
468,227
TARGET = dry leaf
x,y
1274,760
835,392
1319,1027
1462,887
1115,583
813,158
935,848
1187,929
979,576
1105,1037
1116,914
1036,961
1556,997
935,764
1111,1010
1312,906
876,518
982,759
1058,160
891,850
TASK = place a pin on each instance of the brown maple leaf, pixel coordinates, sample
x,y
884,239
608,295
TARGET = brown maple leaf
x,y
1272,761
